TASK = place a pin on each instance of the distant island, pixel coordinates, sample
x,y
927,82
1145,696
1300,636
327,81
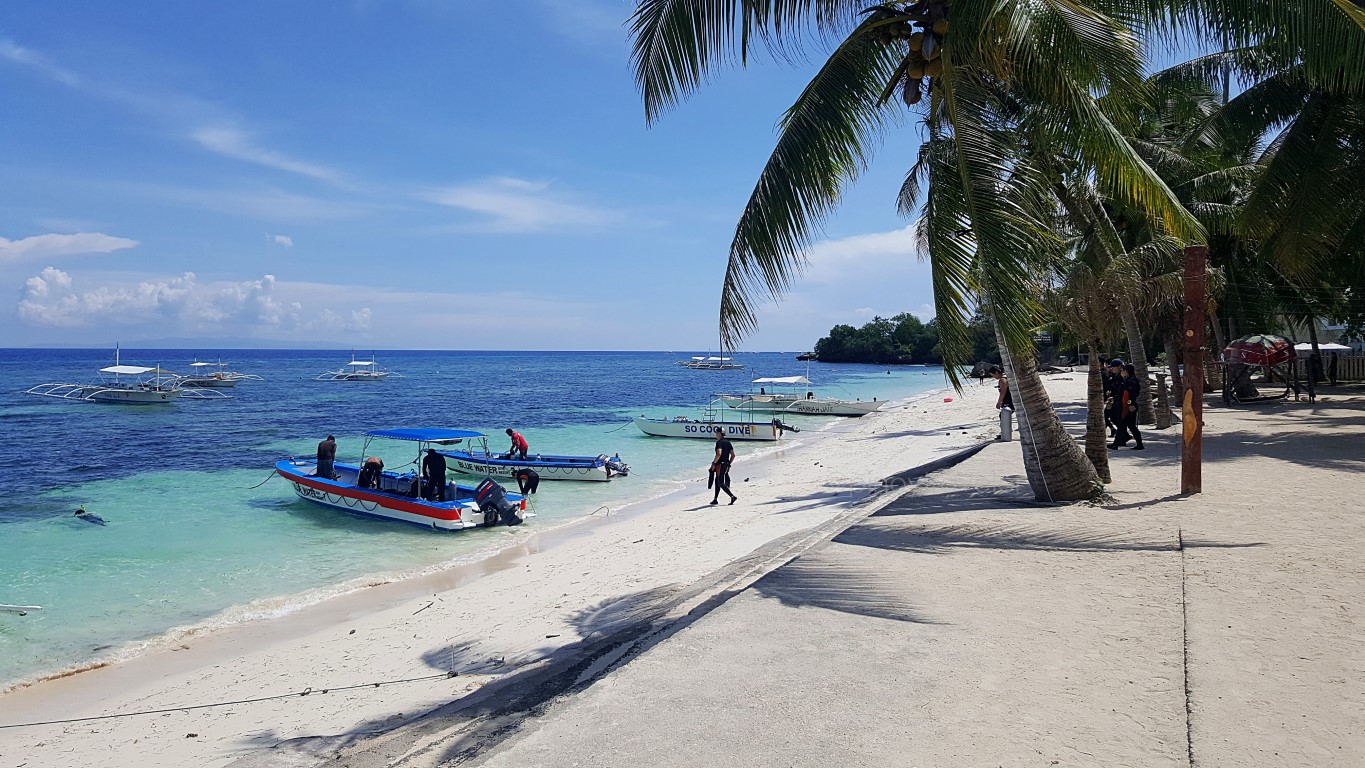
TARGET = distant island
x,y
899,340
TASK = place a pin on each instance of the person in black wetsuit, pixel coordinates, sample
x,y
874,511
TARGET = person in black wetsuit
x,y
527,480
1125,409
327,454
434,473
725,456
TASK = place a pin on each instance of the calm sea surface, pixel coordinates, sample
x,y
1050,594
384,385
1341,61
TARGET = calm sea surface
x,y
190,542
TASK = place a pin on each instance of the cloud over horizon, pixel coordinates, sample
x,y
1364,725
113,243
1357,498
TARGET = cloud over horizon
x,y
513,205
53,246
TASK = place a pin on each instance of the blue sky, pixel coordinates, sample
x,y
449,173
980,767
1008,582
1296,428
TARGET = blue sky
x,y
395,173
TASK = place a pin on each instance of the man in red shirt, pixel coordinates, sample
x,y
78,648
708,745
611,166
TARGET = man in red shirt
x,y
519,445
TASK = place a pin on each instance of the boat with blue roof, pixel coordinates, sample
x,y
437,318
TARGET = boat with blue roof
x,y
367,488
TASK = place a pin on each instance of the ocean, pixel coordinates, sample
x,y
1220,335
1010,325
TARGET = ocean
x,y
200,536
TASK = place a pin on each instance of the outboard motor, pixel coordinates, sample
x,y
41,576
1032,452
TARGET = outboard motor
x,y
784,427
496,508
615,466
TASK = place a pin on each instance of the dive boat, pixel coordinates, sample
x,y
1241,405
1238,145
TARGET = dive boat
x,y
127,385
359,370
712,363
787,398
745,427
397,496
476,459
204,376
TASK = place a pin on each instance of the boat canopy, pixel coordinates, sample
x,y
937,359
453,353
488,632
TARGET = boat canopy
x,y
127,370
201,365
361,362
783,380
425,435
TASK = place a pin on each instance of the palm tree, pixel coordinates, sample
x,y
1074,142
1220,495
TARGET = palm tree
x,y
990,69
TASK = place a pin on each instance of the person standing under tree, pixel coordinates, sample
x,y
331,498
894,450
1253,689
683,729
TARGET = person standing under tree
x,y
1125,408
725,456
327,455
1004,402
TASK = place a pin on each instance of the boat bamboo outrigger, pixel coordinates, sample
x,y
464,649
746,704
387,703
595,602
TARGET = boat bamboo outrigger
x,y
128,385
789,395
477,459
359,370
400,495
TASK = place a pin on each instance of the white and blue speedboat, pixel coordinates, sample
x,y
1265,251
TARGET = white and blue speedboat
x,y
477,459
367,488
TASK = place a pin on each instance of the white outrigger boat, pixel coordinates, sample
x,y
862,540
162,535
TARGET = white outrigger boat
x,y
396,496
712,418
147,386
22,610
793,401
203,376
478,460
359,370
712,363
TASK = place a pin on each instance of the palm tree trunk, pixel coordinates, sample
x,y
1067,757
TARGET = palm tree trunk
x,y
1096,438
1057,468
1173,361
1137,352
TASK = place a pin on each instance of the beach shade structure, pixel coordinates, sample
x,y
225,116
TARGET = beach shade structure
x,y
1303,347
1263,349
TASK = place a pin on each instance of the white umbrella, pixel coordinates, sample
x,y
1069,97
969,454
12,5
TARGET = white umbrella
x,y
1328,347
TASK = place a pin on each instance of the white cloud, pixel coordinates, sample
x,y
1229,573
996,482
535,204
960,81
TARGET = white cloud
x,y
54,246
861,256
234,143
179,306
517,205
11,51
285,240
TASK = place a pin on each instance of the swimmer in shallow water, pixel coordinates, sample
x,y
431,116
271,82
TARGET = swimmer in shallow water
x,y
89,517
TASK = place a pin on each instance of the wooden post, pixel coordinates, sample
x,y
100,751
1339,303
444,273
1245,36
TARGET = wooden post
x,y
1192,407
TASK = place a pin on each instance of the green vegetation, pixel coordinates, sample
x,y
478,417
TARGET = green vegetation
x,y
1056,182
901,339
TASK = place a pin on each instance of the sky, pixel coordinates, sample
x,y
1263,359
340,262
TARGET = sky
x,y
389,174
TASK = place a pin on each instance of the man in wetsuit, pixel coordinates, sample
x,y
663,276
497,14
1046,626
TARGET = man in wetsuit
x,y
434,473
327,454
725,456
519,446
527,480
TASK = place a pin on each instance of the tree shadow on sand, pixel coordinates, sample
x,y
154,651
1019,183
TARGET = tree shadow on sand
x,y
817,580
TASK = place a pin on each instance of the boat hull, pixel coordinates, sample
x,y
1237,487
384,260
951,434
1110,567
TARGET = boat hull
x,y
585,468
463,512
122,396
208,381
706,430
809,407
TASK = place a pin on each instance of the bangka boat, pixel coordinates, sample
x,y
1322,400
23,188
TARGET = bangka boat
x,y
398,495
476,459
745,427
128,385
205,376
790,398
359,370
712,363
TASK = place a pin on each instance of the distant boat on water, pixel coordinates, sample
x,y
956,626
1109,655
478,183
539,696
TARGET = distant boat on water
x,y
359,370
127,385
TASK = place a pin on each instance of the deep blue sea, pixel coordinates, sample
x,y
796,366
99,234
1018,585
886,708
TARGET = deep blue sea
x,y
190,542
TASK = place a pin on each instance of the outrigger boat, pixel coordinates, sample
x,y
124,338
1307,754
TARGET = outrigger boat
x,y
792,401
711,419
712,363
203,376
147,386
359,370
22,610
478,460
397,496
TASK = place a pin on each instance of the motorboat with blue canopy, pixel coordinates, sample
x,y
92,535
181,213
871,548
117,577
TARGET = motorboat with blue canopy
x,y
475,458
368,488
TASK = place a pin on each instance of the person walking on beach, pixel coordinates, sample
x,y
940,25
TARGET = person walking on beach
x,y
327,455
434,472
1004,402
1110,381
519,446
725,456
1125,408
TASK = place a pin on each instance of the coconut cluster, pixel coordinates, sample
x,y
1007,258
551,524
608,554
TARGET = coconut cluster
x,y
923,26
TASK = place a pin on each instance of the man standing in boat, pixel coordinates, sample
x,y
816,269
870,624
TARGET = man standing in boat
x,y
434,473
327,454
725,456
519,446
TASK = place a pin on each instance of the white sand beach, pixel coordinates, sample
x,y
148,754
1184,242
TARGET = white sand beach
x,y
484,621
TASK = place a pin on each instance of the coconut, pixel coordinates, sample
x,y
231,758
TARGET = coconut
x,y
941,27
935,68
917,41
916,71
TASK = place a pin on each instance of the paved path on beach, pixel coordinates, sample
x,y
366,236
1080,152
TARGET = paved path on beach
x,y
962,625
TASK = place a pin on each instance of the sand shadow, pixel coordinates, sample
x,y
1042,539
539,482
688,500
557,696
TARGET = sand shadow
x,y
819,580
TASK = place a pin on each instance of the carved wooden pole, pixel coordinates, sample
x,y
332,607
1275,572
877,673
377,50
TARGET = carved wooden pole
x,y
1192,407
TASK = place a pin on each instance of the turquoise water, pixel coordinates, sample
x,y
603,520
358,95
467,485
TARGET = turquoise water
x,y
191,542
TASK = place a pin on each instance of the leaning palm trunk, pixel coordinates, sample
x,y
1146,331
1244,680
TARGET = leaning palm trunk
x,y
1096,437
1057,468
1137,352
